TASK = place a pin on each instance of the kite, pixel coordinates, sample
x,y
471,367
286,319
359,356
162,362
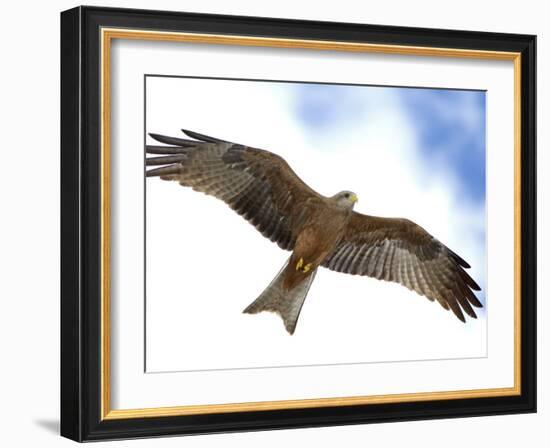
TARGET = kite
x,y
320,231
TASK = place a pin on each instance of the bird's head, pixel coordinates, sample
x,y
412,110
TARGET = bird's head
x,y
345,199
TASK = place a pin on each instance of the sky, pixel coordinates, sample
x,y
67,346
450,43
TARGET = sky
x,y
407,152
449,125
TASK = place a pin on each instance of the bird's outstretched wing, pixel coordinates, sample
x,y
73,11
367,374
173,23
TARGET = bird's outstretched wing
x,y
257,184
401,251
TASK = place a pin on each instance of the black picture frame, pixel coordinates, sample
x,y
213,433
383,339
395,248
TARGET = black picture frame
x,y
81,224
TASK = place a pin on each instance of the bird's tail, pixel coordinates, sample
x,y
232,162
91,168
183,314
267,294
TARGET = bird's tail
x,y
286,303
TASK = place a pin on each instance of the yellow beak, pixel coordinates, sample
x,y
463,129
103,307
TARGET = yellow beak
x,y
354,198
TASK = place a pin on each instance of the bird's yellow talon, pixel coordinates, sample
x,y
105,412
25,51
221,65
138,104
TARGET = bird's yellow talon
x,y
301,267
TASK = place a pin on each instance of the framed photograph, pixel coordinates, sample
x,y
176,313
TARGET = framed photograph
x,y
273,223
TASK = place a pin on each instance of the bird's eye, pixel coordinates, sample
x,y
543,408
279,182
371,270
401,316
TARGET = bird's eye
x,y
346,195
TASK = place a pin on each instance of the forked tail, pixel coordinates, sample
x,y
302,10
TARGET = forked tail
x,y
286,303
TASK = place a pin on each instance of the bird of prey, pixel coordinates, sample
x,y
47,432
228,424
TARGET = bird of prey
x,y
320,231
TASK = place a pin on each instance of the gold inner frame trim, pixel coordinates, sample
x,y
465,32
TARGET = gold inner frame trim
x,y
107,35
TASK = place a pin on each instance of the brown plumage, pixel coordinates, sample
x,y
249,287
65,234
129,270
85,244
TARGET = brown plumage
x,y
319,230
